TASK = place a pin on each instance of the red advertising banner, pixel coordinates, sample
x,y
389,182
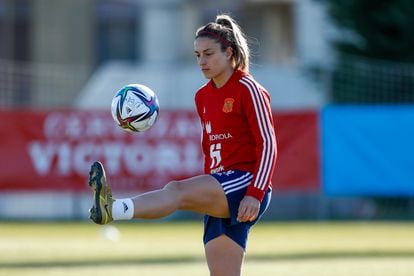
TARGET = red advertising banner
x,y
53,150
298,162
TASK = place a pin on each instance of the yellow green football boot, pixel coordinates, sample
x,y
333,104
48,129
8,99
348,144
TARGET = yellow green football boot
x,y
101,211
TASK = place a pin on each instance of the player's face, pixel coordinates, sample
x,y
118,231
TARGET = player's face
x,y
214,63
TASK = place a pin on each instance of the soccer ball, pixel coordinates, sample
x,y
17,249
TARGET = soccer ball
x,y
135,107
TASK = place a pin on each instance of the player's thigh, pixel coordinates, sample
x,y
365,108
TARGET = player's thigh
x,y
224,256
202,194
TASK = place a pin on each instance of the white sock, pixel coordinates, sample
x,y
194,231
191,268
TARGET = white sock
x,y
123,209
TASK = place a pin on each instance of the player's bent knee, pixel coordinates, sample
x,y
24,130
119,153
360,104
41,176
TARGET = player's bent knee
x,y
174,186
184,193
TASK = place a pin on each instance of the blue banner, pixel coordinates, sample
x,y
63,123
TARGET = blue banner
x,y
368,150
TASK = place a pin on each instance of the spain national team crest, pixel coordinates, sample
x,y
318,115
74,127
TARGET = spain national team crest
x,y
228,105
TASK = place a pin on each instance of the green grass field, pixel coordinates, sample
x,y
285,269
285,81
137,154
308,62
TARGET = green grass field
x,y
165,248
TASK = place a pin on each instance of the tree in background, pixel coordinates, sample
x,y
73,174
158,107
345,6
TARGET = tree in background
x,y
375,64
375,50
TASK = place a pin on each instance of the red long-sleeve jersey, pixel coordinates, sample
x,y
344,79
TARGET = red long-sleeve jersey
x,y
238,131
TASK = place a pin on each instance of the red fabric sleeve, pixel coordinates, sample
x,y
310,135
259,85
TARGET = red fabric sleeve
x,y
256,105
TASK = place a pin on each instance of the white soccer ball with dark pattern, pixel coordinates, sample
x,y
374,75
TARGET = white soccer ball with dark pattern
x,y
135,107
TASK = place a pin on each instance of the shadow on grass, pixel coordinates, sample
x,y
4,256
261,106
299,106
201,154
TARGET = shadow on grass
x,y
100,262
166,260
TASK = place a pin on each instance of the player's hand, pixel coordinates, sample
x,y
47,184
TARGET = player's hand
x,y
248,209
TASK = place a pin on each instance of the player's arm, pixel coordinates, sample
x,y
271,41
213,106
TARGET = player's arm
x,y
257,108
259,115
199,108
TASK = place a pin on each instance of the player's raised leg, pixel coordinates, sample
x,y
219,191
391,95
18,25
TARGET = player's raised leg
x,y
201,194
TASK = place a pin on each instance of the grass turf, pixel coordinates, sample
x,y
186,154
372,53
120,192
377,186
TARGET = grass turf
x,y
164,248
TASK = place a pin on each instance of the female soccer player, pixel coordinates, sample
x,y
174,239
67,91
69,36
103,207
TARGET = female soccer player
x,y
239,145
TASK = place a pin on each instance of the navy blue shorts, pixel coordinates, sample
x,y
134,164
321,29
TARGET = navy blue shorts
x,y
235,185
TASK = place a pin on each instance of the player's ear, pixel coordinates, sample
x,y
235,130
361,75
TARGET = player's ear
x,y
229,53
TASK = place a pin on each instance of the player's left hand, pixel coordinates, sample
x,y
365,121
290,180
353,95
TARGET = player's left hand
x,y
248,209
